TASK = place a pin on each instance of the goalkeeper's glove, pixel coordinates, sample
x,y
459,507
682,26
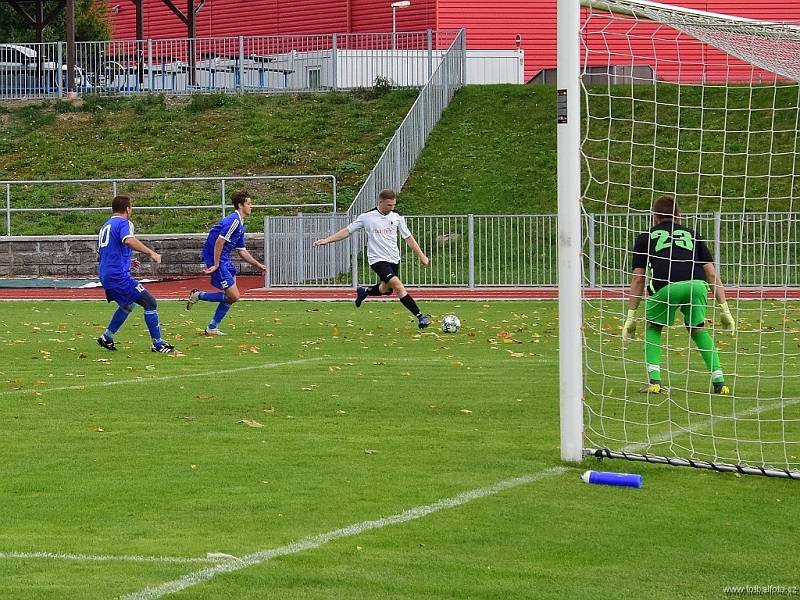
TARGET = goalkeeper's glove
x,y
629,327
726,318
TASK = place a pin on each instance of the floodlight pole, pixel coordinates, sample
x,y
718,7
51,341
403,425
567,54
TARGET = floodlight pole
x,y
395,6
570,315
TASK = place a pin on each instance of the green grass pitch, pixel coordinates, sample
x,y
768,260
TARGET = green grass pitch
x,y
311,417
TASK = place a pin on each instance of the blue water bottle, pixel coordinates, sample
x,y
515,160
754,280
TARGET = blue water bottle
x,y
607,478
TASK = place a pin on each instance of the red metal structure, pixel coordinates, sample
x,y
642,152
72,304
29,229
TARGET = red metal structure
x,y
495,24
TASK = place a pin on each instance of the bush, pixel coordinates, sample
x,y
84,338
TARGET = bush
x,y
203,102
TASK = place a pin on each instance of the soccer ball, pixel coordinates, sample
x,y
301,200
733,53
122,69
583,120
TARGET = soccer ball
x,y
450,324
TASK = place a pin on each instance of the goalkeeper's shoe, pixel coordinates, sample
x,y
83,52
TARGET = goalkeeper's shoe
x,y
194,297
163,348
106,343
722,389
654,387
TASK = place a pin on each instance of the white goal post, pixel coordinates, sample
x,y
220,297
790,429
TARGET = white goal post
x,y
654,100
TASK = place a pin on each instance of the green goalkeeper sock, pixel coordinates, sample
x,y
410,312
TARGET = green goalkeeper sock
x,y
709,353
652,352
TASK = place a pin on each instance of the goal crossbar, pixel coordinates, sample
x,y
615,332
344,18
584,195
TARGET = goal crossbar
x,y
724,32
669,13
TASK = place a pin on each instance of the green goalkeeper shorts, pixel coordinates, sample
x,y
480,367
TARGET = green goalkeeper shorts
x,y
691,297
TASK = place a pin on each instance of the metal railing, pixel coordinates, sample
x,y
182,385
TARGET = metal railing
x,y
395,164
750,250
29,199
288,63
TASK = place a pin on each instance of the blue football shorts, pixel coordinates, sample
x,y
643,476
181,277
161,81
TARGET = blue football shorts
x,y
123,290
224,277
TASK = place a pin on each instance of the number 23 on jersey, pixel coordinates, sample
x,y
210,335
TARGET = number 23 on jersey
x,y
665,239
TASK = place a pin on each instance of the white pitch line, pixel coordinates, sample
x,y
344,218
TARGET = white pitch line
x,y
312,542
109,558
101,384
709,423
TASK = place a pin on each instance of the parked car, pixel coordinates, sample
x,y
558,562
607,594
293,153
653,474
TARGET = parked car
x,y
24,72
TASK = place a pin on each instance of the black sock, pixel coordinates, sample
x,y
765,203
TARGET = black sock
x,y
409,303
374,290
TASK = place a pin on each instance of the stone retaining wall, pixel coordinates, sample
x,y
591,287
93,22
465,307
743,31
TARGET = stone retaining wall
x,y
76,256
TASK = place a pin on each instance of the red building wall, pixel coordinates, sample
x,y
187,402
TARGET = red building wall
x,y
376,16
490,24
495,25
271,17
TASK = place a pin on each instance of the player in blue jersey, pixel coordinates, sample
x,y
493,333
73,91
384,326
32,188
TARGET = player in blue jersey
x,y
115,243
224,237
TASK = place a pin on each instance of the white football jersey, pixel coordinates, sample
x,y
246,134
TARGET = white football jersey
x,y
381,234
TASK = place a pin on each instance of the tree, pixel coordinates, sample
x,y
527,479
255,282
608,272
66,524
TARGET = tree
x,y
91,22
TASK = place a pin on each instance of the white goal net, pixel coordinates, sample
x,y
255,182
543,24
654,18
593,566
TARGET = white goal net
x,y
705,108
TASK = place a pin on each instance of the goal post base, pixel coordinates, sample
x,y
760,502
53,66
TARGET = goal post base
x,y
601,453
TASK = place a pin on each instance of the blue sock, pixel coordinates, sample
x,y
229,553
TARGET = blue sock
x,y
219,314
212,296
151,320
117,319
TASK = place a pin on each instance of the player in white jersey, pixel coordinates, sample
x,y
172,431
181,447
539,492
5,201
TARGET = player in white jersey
x,y
381,225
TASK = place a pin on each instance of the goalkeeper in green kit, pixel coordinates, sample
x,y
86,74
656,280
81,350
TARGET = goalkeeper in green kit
x,y
681,270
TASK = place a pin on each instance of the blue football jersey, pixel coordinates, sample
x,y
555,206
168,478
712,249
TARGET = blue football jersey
x,y
230,229
115,255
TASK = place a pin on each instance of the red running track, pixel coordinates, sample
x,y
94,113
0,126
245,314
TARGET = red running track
x,y
252,289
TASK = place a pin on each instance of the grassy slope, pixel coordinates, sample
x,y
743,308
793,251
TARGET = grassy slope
x,y
340,134
493,152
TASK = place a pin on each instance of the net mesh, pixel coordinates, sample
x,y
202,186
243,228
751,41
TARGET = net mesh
x,y
705,108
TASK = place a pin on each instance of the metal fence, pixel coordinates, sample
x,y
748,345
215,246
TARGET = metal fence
x,y
29,202
293,63
395,164
752,250
749,249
